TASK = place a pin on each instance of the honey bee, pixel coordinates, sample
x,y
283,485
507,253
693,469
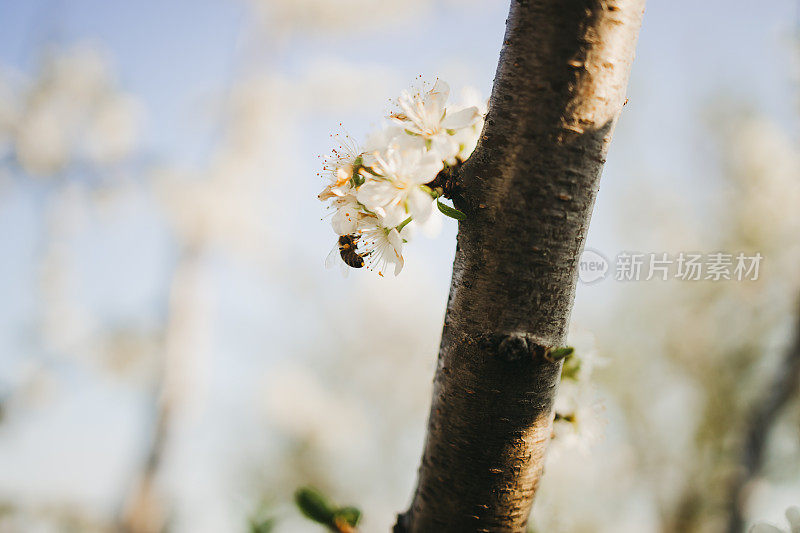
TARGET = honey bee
x,y
348,253
346,248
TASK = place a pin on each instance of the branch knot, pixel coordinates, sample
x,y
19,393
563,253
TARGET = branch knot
x,y
513,346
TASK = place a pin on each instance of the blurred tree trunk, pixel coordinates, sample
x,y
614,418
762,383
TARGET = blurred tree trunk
x,y
782,388
528,192
145,509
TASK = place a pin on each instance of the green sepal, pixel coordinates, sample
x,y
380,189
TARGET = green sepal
x,y
357,180
434,194
451,212
349,515
369,169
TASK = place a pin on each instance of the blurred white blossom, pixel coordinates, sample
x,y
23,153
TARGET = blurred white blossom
x,y
71,111
579,419
792,516
304,408
285,15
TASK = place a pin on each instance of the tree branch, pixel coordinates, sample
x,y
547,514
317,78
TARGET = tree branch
x,y
779,391
528,192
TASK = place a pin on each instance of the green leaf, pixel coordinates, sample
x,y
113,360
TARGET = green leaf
x,y
451,212
314,505
561,353
349,515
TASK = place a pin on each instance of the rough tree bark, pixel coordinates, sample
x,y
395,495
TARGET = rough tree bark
x,y
528,192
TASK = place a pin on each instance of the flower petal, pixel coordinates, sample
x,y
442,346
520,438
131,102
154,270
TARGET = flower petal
x,y
461,119
397,244
376,193
393,215
437,96
420,204
345,220
445,147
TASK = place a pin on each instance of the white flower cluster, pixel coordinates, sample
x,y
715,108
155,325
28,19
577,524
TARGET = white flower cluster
x,y
376,191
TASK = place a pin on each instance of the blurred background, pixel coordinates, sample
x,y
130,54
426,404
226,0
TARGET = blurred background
x,y
175,357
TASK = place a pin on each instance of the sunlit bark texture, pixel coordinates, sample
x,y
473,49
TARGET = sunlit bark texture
x,y
528,192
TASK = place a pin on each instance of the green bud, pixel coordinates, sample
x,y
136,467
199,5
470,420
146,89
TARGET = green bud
x,y
561,353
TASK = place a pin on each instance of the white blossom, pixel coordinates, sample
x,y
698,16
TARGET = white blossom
x,y
423,115
397,192
579,420
380,191
346,219
382,247
339,167
467,138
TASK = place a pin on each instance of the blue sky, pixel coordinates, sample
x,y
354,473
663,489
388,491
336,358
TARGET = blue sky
x,y
178,54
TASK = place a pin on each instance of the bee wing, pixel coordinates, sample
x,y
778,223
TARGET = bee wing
x,y
333,256
344,268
